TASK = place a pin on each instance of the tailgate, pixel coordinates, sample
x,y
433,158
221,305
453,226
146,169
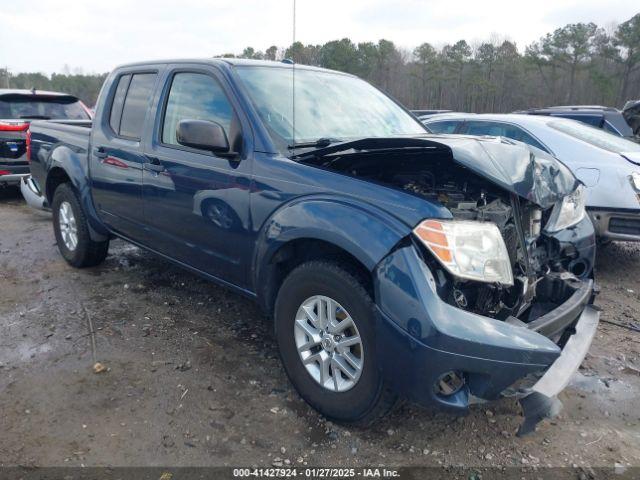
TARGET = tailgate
x,y
13,144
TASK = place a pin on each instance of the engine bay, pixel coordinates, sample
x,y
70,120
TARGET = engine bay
x,y
468,196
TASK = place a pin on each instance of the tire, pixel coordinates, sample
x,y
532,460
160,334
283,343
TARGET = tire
x,y
84,252
369,398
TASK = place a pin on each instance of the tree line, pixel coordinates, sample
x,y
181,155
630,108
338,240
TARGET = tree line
x,y
84,86
580,63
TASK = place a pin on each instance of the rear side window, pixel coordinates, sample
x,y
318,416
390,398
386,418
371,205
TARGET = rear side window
x,y
58,107
118,102
497,129
135,105
442,127
195,96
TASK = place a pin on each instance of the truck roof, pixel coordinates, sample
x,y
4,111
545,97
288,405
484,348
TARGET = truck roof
x,y
231,61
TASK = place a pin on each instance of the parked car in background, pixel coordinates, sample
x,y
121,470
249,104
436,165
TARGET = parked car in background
x,y
440,269
422,114
631,113
609,119
17,109
607,164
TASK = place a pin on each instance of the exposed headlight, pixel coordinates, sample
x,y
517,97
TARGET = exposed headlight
x,y
471,250
568,212
635,180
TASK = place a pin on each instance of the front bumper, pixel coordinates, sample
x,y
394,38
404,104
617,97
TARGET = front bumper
x,y
622,225
539,402
559,373
421,338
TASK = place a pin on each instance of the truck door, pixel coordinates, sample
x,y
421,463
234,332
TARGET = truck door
x,y
116,156
196,203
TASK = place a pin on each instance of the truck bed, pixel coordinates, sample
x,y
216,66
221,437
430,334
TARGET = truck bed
x,y
80,127
47,135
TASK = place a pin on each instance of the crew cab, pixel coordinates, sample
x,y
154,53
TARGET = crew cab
x,y
17,109
394,263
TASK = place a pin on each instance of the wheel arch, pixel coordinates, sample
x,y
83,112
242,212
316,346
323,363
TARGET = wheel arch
x,y
356,235
56,177
67,166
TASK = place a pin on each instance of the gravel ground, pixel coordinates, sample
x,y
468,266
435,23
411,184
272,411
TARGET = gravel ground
x,y
193,377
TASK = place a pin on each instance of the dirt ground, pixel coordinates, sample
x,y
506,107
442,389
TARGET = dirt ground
x,y
194,377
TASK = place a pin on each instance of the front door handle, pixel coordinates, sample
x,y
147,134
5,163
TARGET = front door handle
x,y
153,165
100,152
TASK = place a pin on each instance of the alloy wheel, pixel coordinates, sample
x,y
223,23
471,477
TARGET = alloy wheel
x,y
328,343
68,226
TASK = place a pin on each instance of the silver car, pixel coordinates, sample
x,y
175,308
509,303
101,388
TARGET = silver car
x,y
608,165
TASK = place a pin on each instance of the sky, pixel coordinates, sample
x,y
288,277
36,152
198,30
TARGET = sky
x,y
95,36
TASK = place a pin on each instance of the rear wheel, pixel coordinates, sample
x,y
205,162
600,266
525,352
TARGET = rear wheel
x,y
72,230
324,320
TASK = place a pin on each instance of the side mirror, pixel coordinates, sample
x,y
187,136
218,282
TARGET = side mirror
x,y
203,135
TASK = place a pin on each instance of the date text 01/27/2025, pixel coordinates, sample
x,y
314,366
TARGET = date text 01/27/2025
x,y
315,473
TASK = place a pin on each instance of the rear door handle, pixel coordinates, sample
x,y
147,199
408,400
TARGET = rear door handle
x,y
100,152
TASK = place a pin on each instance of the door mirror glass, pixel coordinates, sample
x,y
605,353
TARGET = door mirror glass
x,y
203,135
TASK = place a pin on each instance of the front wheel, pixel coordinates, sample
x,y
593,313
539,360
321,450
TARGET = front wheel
x,y
72,230
324,322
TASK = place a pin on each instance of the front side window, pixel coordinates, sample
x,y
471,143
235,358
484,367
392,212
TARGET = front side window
x,y
448,126
195,96
327,105
485,128
136,104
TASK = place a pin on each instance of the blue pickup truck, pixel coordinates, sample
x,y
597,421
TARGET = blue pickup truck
x,y
394,263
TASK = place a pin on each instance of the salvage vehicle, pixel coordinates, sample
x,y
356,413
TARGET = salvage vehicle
x,y
607,118
608,165
394,263
17,109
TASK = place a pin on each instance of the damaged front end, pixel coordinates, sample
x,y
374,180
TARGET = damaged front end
x,y
497,292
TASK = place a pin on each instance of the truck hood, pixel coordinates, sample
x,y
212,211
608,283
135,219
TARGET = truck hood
x,y
517,168
526,171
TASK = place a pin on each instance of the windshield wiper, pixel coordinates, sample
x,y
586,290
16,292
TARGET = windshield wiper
x,y
319,143
35,117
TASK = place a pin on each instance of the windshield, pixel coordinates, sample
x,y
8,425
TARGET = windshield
x,y
35,106
596,137
327,105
